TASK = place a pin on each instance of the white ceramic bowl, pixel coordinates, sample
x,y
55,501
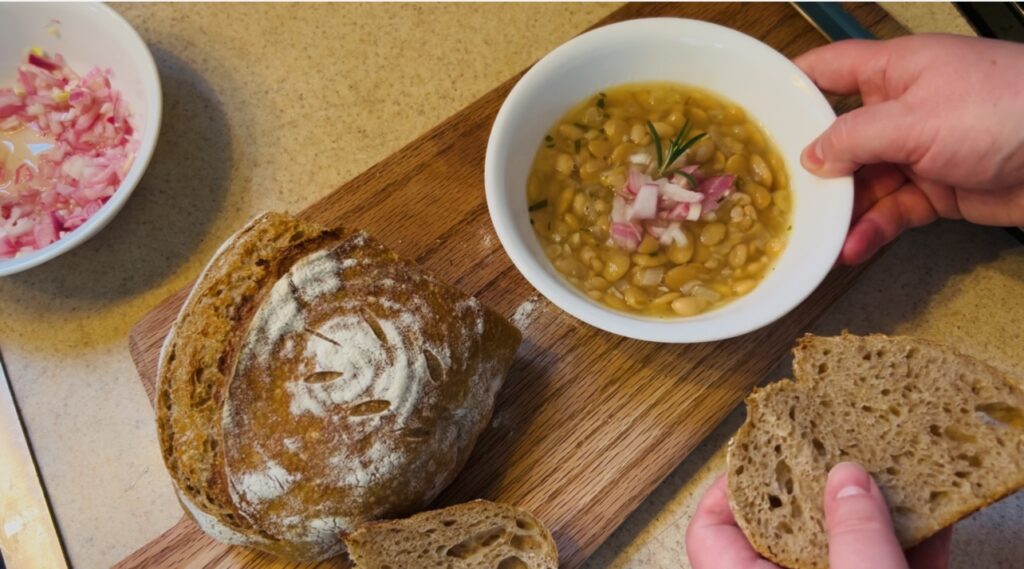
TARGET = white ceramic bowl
x,y
764,82
90,35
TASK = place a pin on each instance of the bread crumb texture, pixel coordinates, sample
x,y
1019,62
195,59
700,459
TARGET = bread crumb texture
x,y
475,535
941,433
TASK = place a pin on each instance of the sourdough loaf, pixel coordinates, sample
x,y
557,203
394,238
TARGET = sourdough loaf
x,y
474,535
314,380
940,432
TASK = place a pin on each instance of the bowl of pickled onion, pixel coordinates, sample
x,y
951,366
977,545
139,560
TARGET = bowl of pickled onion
x,y
80,108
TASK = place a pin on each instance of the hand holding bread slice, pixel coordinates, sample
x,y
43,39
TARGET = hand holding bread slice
x,y
940,432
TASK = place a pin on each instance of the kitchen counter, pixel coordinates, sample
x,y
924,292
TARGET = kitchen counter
x,y
274,106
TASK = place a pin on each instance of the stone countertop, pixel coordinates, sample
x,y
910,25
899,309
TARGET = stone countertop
x,y
274,106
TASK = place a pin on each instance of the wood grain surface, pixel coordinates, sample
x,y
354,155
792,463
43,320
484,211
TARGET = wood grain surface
x,y
588,423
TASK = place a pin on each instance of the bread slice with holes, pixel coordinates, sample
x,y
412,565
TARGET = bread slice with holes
x,y
941,433
474,535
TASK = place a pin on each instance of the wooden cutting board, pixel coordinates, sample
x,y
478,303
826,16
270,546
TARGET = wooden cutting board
x,y
588,423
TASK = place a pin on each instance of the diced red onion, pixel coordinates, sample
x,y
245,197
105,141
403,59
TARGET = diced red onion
x,y
679,212
633,183
79,98
645,206
22,226
42,62
626,235
7,246
23,174
93,148
655,229
10,104
673,234
679,194
658,207
680,181
714,189
619,209
694,213
45,231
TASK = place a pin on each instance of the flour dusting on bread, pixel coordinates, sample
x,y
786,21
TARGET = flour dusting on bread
x,y
315,276
265,484
279,316
368,369
382,361
361,470
336,383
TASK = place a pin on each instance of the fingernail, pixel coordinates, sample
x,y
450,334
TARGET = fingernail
x,y
812,156
851,490
851,480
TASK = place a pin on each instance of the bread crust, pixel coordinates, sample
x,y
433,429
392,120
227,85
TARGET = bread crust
x,y
744,432
314,380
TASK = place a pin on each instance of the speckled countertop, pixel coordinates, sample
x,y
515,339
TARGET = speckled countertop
x,y
273,106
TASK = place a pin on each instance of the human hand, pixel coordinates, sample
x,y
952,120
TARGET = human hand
x,y
860,533
939,135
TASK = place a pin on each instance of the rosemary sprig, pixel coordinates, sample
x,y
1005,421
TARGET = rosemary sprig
x,y
676,146
657,145
689,178
538,206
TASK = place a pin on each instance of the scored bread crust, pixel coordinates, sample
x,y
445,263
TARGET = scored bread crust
x,y
944,415
192,370
474,535
315,380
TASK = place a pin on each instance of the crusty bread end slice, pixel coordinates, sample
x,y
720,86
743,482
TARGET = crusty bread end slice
x,y
941,433
474,535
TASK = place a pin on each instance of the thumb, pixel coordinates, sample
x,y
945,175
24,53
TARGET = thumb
x,y
860,533
843,66
883,132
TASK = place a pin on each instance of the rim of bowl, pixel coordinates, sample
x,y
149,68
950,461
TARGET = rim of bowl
x,y
680,330
99,220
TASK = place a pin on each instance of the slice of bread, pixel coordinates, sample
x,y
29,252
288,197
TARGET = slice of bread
x,y
474,535
941,433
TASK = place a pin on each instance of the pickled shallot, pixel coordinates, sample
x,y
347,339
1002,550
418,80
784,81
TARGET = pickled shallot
x,y
66,143
645,204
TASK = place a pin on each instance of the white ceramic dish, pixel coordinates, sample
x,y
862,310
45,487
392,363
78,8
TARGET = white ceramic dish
x,y
90,35
764,82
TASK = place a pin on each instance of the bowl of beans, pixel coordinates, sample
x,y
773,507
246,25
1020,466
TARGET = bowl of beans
x,y
645,178
80,107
